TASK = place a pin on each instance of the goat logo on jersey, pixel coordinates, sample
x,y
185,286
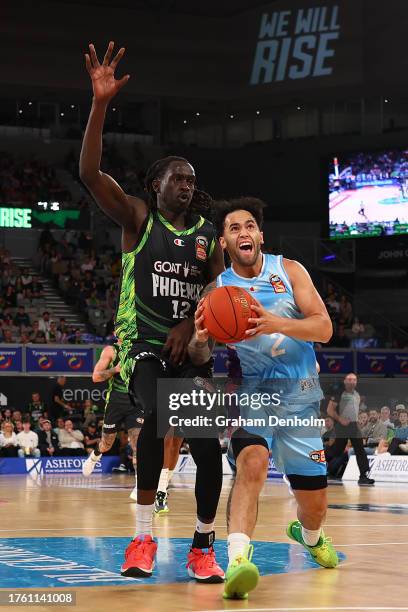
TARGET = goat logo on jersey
x,y
277,283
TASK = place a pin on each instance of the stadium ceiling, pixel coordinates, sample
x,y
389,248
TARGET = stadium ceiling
x,y
200,8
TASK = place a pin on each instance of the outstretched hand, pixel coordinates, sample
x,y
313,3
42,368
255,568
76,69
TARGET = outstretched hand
x,y
104,84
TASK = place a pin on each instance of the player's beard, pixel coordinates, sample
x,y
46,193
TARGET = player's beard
x,y
246,260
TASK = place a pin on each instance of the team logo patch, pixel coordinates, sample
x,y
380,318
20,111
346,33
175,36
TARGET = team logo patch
x,y
179,242
318,456
277,283
201,244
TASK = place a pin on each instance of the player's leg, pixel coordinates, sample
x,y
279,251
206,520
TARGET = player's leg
x,y
110,421
207,456
251,453
140,554
171,454
299,452
133,434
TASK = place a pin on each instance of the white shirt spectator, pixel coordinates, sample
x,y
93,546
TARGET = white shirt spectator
x,y
4,441
72,439
44,326
27,439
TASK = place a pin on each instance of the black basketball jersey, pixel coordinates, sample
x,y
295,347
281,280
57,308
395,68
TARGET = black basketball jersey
x,y
162,278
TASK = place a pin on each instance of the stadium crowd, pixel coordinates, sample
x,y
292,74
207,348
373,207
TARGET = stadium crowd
x,y
24,182
24,317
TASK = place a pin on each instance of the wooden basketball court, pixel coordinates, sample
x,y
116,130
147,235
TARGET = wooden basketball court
x,y
72,519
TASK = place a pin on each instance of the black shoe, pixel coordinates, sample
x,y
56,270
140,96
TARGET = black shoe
x,y
364,481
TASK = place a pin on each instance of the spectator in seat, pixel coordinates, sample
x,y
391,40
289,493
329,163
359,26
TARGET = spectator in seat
x,y
346,310
8,440
357,327
52,334
7,414
27,441
71,440
62,331
24,338
37,335
90,412
385,416
44,322
398,444
8,336
37,289
92,437
16,415
362,419
335,464
340,340
22,319
26,280
59,426
18,426
373,432
36,407
48,442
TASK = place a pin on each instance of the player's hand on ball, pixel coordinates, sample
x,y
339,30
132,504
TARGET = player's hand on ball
x,y
201,333
104,84
263,322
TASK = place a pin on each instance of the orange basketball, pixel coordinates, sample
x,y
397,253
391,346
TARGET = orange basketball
x,y
226,313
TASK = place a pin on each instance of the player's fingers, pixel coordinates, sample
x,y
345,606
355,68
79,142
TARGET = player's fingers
x,y
256,308
94,57
123,81
253,332
108,53
88,63
117,58
199,320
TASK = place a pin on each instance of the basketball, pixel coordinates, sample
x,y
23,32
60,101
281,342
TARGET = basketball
x,y
226,313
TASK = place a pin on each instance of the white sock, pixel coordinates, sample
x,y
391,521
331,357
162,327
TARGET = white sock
x,y
144,520
311,536
237,543
170,476
94,457
164,479
204,527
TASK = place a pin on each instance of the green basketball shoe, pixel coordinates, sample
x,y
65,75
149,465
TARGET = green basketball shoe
x,y
323,553
241,576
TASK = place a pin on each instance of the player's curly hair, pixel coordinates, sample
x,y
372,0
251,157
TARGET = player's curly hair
x,y
201,202
222,208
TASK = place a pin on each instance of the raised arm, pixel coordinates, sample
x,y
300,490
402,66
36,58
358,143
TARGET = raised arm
x,y
127,211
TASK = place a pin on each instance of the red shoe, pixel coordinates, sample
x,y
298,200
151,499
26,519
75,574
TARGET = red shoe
x,y
203,566
139,557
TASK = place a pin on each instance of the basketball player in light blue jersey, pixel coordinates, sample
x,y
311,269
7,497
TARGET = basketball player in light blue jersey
x,y
289,317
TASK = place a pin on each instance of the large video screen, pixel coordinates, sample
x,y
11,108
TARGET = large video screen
x,y
368,194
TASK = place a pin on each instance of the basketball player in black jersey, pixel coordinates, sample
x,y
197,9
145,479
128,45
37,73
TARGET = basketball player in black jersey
x,y
169,254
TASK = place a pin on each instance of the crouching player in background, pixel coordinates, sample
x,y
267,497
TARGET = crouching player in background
x,y
118,409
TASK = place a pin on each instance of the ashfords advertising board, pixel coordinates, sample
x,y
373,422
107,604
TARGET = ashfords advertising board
x,y
54,465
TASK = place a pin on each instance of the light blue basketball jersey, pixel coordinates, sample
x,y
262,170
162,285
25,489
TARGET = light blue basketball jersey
x,y
276,356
